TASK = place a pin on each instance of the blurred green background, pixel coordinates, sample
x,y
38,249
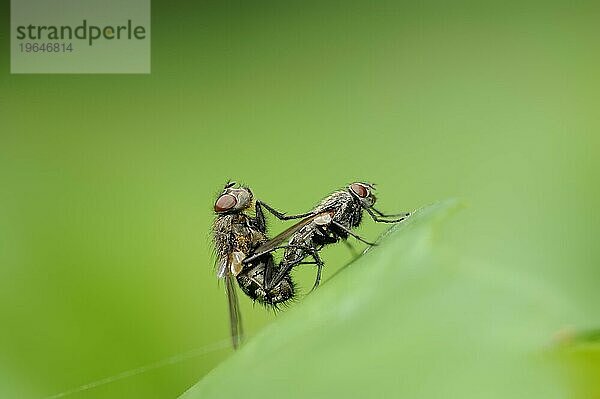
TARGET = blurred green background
x,y
108,181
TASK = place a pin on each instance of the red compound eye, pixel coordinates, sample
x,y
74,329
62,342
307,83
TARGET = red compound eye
x,y
359,190
225,202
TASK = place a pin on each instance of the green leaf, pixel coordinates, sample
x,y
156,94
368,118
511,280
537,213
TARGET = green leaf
x,y
408,319
579,353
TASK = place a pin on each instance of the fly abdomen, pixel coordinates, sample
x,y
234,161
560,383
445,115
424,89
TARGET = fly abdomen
x,y
251,281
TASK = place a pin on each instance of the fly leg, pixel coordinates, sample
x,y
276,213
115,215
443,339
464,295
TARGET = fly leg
x,y
277,214
285,267
391,215
347,231
374,213
327,239
282,270
320,264
259,219
351,248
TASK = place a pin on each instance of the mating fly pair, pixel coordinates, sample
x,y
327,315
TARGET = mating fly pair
x,y
244,252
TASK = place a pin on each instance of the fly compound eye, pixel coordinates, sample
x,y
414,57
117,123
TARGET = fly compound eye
x,y
225,202
359,189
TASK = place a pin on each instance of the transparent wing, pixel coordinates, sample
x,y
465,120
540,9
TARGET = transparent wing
x,y
283,236
235,317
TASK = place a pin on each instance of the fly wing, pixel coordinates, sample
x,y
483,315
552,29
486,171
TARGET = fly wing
x,y
222,267
280,238
235,317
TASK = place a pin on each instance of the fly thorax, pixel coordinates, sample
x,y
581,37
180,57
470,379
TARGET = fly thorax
x,y
357,217
240,229
257,237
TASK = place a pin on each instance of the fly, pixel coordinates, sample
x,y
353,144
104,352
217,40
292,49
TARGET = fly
x,y
236,236
333,219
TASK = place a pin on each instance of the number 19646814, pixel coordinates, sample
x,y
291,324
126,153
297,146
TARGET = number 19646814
x,y
46,47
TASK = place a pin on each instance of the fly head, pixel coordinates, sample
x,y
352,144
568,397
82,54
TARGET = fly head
x,y
363,193
233,199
